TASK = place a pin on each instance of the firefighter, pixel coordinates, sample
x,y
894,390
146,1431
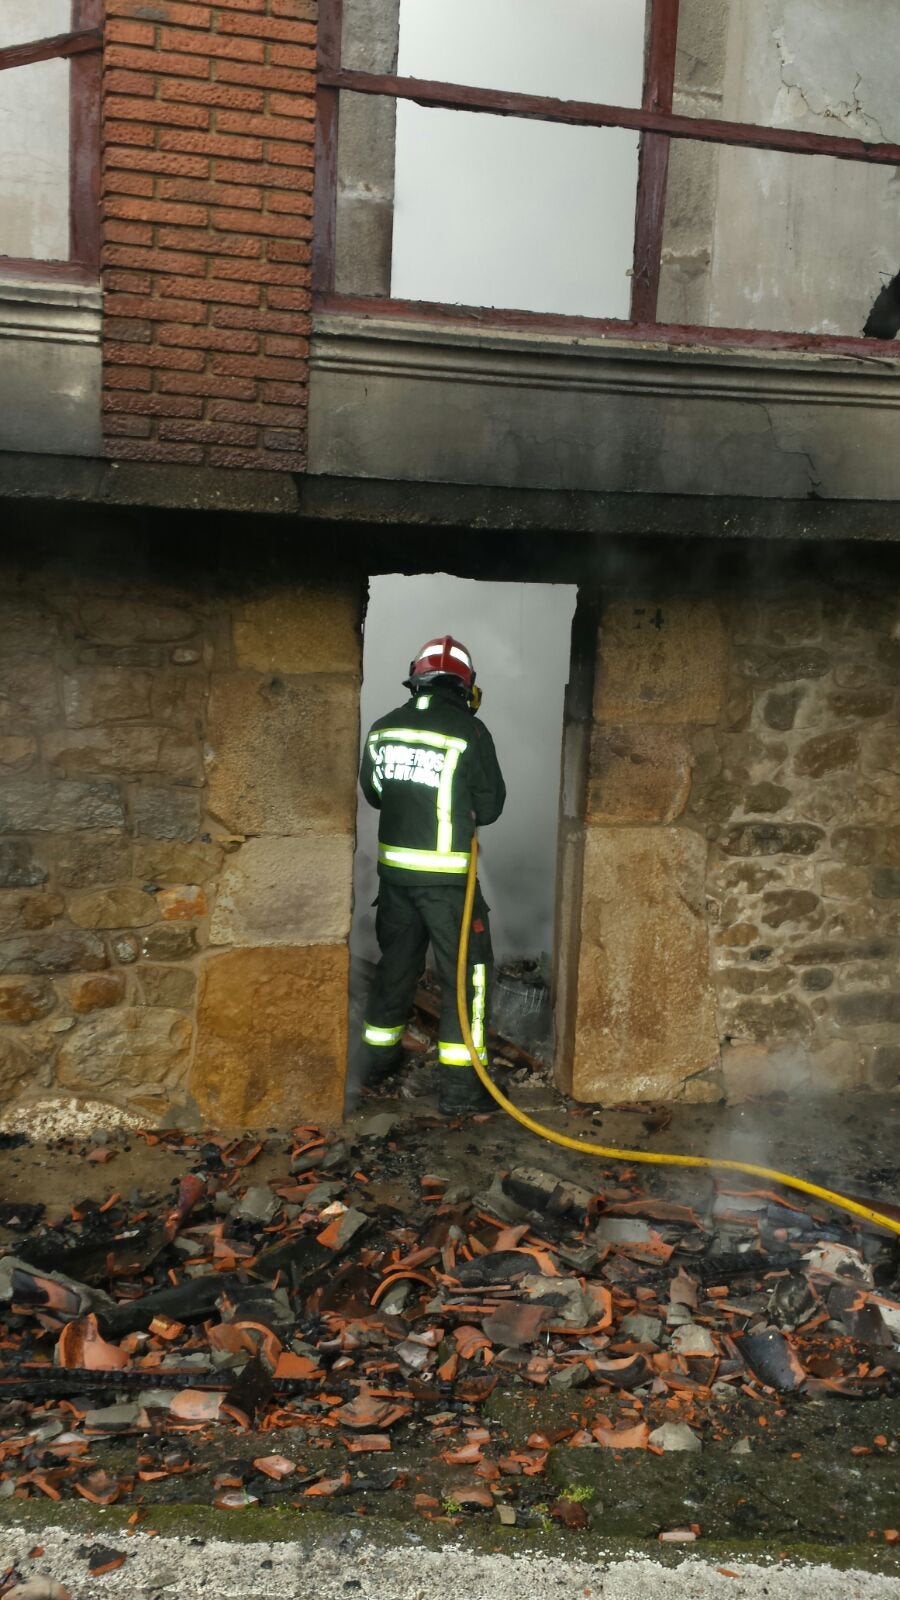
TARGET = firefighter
x,y
432,772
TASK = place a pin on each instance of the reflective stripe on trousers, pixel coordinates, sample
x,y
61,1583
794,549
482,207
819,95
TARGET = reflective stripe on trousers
x,y
457,1055
382,1038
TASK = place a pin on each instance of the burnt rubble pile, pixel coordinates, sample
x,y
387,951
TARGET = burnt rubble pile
x,y
312,1310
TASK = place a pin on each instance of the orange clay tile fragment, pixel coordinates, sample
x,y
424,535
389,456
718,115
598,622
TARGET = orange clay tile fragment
x,y
465,1456
166,1328
469,1341
468,1494
636,1438
368,1444
329,1486
81,1344
112,1565
293,1366
398,1277
367,1412
196,1405
99,1489
276,1467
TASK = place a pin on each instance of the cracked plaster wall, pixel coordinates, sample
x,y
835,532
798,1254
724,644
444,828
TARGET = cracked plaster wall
x,y
766,240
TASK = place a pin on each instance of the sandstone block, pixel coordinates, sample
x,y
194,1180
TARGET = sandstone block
x,y
661,664
310,629
886,883
164,862
179,700
637,774
162,813
844,883
272,1037
170,942
28,690
126,622
34,807
772,839
791,905
125,1048
26,626
856,846
827,752
20,1067
752,979
284,753
817,979
293,891
173,987
181,904
126,948
752,1071
122,907
781,707
96,993
28,909
858,704
24,1000
867,1007
792,622
773,1021
89,859
17,752
833,951
783,666
18,868
766,797
884,1066
56,951
646,1021
738,936
130,750
94,695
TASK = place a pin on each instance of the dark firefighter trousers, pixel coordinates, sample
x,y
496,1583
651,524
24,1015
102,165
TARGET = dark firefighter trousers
x,y
408,919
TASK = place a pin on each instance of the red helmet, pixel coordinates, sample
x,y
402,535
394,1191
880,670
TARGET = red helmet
x,y
442,657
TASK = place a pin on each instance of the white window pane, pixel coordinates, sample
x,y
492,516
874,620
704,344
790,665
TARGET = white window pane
x,y
494,211
570,49
34,161
23,20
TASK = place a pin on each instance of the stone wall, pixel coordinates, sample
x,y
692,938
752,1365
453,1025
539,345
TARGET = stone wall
x,y
740,896
177,778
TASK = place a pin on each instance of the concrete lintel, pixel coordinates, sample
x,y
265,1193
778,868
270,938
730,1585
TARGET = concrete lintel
x,y
482,508
383,511
441,402
92,481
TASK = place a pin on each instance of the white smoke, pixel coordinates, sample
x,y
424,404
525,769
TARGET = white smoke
x,y
519,635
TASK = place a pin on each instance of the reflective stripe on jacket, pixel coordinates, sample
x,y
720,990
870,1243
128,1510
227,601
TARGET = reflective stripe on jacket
x,y
431,770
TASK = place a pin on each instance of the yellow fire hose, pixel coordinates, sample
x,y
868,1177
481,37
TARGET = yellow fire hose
x,y
610,1153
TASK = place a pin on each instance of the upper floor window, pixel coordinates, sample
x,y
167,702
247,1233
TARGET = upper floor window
x,y
679,169
50,67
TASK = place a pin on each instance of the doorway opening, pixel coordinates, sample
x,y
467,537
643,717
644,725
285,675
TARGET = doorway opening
x,y
519,636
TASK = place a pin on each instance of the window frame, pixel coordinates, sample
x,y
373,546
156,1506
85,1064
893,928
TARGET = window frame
x,y
657,124
83,47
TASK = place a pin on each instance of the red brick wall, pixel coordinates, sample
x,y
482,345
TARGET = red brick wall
x,y
208,176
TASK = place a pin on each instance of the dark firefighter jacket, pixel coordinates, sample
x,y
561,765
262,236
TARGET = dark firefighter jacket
x,y
431,769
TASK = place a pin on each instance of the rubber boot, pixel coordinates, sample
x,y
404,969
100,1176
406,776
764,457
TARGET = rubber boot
x,y
382,1065
461,1092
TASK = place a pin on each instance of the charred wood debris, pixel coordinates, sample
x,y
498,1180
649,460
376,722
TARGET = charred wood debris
x,y
306,1309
